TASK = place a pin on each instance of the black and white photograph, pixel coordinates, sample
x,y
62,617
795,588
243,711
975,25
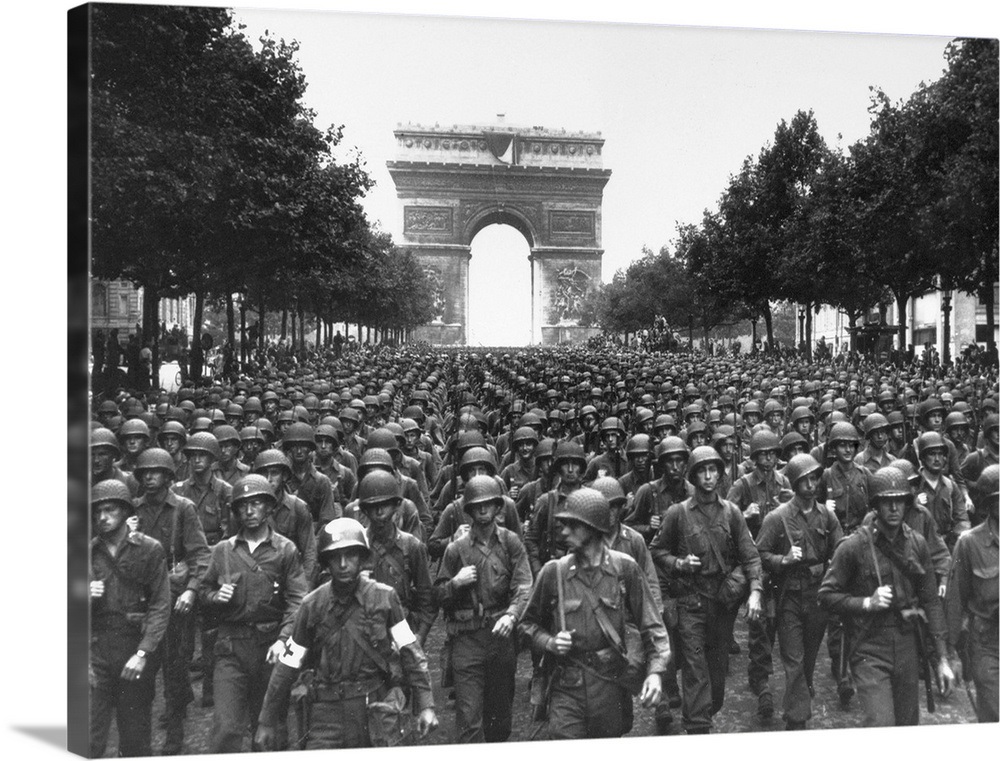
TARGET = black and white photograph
x,y
441,379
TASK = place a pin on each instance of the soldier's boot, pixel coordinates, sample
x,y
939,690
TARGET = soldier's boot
x,y
664,719
173,744
207,692
765,708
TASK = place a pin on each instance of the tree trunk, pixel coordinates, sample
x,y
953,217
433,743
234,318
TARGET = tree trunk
x,y
284,323
243,331
261,314
293,332
768,323
230,333
302,332
197,354
319,332
808,337
359,332
852,321
901,299
991,344
151,328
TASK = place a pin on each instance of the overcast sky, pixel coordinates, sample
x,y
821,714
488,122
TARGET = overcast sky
x,y
679,108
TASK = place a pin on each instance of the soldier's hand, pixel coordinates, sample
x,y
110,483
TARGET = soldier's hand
x,y
956,668
563,642
225,593
946,677
264,739
794,556
184,603
465,577
690,563
514,491
96,590
652,690
654,521
942,589
970,507
504,625
831,505
922,499
460,532
134,668
132,522
274,652
754,607
881,598
752,510
427,722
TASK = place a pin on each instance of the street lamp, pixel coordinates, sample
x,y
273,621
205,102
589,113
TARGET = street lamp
x,y
802,324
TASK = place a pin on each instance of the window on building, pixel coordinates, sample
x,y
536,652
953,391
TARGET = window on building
x,y
123,305
924,335
99,300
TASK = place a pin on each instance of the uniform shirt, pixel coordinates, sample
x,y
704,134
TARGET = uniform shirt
x,y
850,488
400,561
518,474
324,637
817,532
614,464
852,577
413,468
653,499
503,580
212,503
631,543
347,459
952,465
291,519
972,583
972,467
428,465
619,585
316,491
187,543
136,589
717,533
343,481
454,516
920,520
871,459
128,479
764,489
946,503
270,584
233,474
631,481
544,539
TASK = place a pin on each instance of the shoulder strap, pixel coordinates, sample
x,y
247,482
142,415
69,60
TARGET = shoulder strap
x,y
870,541
607,628
173,536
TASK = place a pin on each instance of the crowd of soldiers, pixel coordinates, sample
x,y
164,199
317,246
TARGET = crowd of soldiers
x,y
610,513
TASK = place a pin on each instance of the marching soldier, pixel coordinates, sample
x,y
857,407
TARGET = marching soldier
x,y
882,581
352,637
577,615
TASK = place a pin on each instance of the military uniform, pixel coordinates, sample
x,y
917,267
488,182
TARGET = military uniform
x,y
315,489
399,560
972,592
132,615
884,655
454,516
588,699
718,535
801,622
653,499
270,586
483,663
292,520
946,504
348,643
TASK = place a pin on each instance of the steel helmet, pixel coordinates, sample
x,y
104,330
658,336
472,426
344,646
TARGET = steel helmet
x,y
102,437
524,433
800,466
801,413
701,456
253,405
664,421
546,448
844,431
112,490
890,482
173,428
382,438
469,439
477,456
876,421
612,424
772,406
906,468
203,441
791,439
299,433
988,484
270,458
764,441
927,406
929,441
375,459
340,534
155,458
587,506
610,488
569,451
409,425
952,420
481,489
378,486
134,427
253,485
251,433
201,424
991,421
671,445
638,444
326,431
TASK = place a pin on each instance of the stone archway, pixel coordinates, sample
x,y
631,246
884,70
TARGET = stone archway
x,y
547,184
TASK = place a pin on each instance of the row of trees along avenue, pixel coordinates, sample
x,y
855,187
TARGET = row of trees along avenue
x,y
911,207
209,177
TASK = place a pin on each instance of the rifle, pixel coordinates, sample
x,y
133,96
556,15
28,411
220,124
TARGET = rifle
x,y
919,620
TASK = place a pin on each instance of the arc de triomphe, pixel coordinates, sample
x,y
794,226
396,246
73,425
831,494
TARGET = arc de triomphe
x,y
547,184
